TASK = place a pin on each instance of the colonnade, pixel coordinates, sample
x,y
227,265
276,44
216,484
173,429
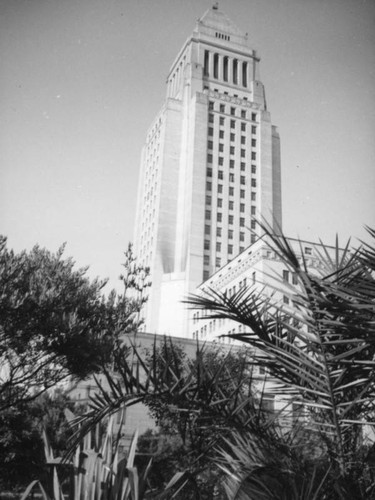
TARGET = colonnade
x,y
229,69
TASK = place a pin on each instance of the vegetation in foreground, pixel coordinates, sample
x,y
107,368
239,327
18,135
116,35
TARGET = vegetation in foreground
x,y
319,355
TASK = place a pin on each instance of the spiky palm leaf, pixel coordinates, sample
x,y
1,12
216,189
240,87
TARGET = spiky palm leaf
x,y
322,348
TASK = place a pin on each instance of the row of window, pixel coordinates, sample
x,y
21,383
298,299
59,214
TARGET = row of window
x,y
219,232
231,205
219,218
211,119
218,244
232,164
230,190
232,151
222,36
232,111
232,137
231,176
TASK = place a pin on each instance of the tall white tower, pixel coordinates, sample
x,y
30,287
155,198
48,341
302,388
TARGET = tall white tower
x,y
211,163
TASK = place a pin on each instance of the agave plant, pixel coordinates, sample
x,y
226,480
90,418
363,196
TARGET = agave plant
x,y
95,471
320,352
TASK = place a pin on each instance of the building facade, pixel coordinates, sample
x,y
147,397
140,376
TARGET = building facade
x,y
210,166
259,269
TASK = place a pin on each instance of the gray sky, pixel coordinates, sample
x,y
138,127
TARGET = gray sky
x,y
81,81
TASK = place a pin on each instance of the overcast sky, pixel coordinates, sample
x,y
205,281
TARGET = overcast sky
x,y
81,81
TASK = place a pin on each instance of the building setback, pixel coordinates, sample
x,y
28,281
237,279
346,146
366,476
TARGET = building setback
x,y
210,165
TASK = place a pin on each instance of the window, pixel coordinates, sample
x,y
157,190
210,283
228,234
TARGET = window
x,y
231,205
242,222
231,163
216,65
253,155
242,193
253,238
243,139
219,188
209,172
210,105
205,64
209,158
232,111
232,137
221,160
253,129
308,251
230,234
286,276
231,177
221,147
206,275
211,118
206,260
207,229
232,123
253,196
230,219
235,71
219,202
254,117
221,120
285,299
253,169
242,236
243,113
243,153
208,186
253,183
253,143
206,244
210,144
221,134
243,126
231,150
242,207
243,166
230,248
210,131
218,231
219,216
253,224
231,191
243,181
253,210
220,174
222,108
294,279
218,262
208,200
208,215
218,246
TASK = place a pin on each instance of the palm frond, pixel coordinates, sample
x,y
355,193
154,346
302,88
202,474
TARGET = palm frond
x,y
327,359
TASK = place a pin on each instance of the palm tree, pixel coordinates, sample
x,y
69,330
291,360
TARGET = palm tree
x,y
319,353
